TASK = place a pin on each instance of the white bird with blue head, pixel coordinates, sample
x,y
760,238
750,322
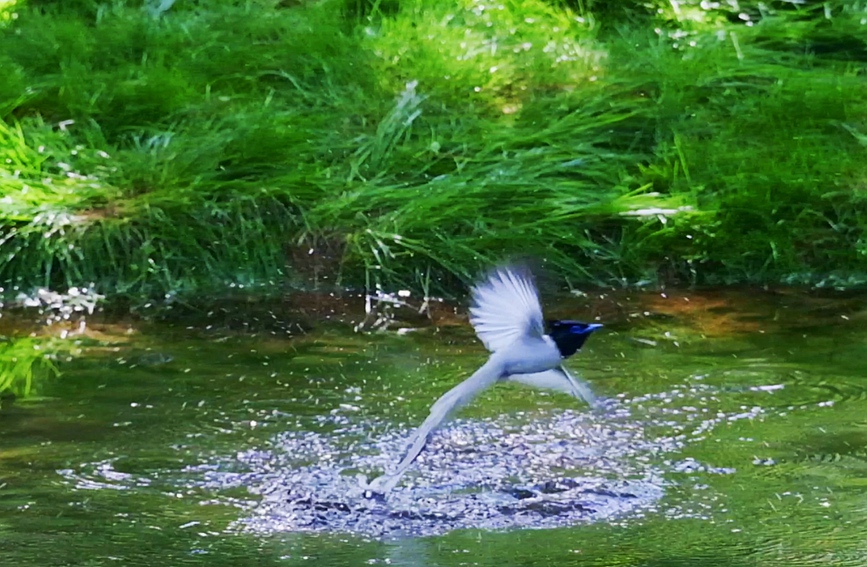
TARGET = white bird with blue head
x,y
507,317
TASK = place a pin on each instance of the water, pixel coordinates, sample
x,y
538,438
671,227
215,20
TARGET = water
x,y
733,434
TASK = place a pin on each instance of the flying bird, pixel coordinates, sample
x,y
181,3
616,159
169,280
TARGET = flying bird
x,y
507,317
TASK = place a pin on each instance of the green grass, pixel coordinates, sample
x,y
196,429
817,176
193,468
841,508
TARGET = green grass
x,y
260,144
26,362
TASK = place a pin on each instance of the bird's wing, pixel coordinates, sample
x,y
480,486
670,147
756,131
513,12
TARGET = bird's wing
x,y
458,396
558,379
505,307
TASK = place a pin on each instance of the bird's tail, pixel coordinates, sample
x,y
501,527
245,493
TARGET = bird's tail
x,y
458,396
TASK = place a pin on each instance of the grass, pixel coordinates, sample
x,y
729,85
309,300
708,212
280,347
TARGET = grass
x,y
260,144
27,362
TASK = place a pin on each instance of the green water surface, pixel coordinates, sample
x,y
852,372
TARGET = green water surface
x,y
108,464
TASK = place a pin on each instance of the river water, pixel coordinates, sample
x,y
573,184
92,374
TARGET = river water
x,y
733,432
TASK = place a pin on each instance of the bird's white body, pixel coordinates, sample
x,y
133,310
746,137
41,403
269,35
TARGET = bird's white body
x,y
507,317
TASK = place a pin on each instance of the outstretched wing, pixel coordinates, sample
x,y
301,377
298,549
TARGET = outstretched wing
x,y
505,306
558,379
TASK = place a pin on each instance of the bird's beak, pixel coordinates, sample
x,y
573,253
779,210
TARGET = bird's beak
x,y
593,326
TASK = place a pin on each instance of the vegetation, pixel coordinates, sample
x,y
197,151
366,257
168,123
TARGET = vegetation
x,y
26,362
163,148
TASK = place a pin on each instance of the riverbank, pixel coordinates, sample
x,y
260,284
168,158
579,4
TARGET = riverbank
x,y
219,147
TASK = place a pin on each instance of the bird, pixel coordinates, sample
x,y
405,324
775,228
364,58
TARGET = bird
x,y
506,315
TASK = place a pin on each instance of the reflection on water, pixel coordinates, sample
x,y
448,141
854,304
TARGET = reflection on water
x,y
733,434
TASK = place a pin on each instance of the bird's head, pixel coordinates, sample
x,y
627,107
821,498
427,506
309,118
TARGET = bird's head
x,y
569,336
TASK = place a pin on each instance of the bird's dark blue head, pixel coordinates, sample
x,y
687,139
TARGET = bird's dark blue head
x,y
569,336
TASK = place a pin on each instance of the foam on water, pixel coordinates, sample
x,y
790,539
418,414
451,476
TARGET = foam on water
x,y
542,469
548,469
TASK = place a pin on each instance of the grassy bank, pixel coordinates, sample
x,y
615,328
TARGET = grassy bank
x,y
218,145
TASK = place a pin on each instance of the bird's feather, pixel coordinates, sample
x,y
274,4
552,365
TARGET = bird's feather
x,y
558,379
458,396
505,307
507,317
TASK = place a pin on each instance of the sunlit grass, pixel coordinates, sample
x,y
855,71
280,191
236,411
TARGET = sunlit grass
x,y
26,362
763,150
208,147
7,10
494,55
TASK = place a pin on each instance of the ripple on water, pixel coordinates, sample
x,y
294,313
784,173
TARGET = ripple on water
x,y
482,474
540,469
549,469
